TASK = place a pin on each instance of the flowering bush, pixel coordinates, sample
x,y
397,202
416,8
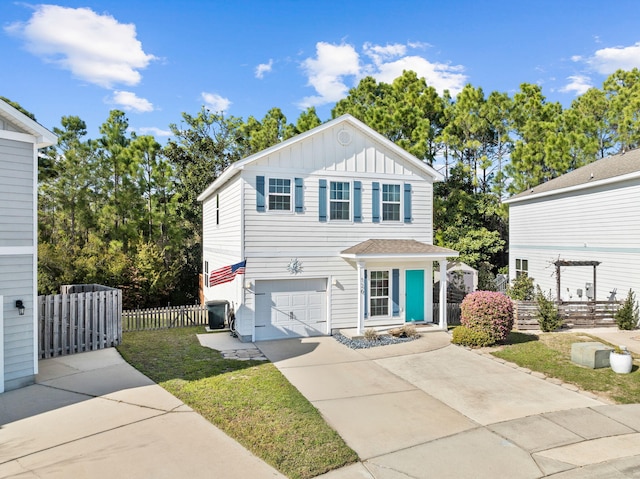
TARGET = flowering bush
x,y
488,311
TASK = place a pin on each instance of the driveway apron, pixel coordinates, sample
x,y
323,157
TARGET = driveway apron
x,y
428,409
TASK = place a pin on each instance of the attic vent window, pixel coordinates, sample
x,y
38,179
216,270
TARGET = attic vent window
x,y
344,137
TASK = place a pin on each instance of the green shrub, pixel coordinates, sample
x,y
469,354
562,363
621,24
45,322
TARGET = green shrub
x,y
627,316
521,288
489,312
548,317
471,337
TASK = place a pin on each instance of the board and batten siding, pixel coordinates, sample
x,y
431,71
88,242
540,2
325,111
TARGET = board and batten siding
x,y
594,224
16,193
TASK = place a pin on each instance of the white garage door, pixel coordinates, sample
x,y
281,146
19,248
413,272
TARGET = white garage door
x,y
291,308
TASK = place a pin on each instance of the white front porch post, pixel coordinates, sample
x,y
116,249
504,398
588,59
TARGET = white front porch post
x,y
361,290
443,294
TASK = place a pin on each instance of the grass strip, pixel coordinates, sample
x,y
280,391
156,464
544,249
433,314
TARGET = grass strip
x,y
251,401
550,353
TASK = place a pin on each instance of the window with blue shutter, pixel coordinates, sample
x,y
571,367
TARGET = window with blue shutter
x,y
375,202
299,195
395,292
322,200
357,201
407,203
260,193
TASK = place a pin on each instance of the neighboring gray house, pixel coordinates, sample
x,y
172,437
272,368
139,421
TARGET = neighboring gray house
x,y
336,227
591,214
20,138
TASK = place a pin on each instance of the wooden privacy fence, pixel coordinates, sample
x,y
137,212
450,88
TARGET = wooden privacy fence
x,y
578,314
78,322
453,313
164,318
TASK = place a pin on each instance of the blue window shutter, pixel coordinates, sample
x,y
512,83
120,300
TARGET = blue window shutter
x,y
407,203
299,196
375,202
260,193
357,201
366,295
395,291
322,201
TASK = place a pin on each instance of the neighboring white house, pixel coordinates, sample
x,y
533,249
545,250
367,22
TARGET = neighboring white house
x,y
336,229
20,138
590,214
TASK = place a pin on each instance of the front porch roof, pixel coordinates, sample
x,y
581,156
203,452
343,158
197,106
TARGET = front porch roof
x,y
393,248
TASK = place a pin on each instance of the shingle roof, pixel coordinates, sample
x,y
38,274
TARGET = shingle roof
x,y
606,168
376,247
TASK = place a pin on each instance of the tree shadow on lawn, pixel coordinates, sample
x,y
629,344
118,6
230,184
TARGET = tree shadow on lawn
x,y
516,337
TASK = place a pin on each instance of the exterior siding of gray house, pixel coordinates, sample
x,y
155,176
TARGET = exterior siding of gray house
x,y
20,138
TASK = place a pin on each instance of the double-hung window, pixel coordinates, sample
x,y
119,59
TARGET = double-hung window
x,y
279,194
339,200
379,293
522,267
390,202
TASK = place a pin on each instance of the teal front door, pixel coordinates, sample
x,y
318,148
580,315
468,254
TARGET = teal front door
x,y
415,295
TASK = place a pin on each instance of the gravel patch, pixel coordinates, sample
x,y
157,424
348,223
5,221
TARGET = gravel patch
x,y
362,343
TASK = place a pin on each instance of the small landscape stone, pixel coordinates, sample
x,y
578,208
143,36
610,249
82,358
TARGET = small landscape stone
x,y
525,370
554,381
538,375
361,343
511,365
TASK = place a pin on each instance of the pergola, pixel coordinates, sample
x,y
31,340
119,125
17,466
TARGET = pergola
x,y
562,262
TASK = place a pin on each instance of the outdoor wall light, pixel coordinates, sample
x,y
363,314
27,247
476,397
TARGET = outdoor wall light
x,y
20,306
248,284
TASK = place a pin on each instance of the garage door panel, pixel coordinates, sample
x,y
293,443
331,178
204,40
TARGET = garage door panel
x,y
290,308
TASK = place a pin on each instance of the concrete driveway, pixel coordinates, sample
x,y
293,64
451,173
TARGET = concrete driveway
x,y
92,415
427,409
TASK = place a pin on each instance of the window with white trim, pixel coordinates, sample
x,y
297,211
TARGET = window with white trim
x,y
279,194
379,291
522,267
339,200
390,202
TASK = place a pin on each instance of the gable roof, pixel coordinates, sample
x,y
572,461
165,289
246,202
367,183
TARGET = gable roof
x,y
352,121
611,169
43,136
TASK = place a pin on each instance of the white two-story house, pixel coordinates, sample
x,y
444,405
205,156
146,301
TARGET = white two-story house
x,y
336,227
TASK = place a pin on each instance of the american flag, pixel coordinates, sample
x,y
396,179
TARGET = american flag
x,y
227,273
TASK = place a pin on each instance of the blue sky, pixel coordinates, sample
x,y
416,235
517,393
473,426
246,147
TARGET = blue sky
x,y
155,59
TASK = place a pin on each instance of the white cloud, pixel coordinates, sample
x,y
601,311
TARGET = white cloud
x,y
264,68
578,84
95,48
576,58
333,65
130,102
438,75
608,60
152,130
326,73
215,102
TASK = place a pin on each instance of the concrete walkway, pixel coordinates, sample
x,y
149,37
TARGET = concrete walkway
x,y
92,415
427,409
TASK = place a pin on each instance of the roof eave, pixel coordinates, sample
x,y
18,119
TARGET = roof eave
x,y
43,136
569,189
357,256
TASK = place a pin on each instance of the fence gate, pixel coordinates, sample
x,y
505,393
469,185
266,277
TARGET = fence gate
x,y
79,322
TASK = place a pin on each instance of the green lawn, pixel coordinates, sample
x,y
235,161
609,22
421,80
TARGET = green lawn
x,y
250,400
550,353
